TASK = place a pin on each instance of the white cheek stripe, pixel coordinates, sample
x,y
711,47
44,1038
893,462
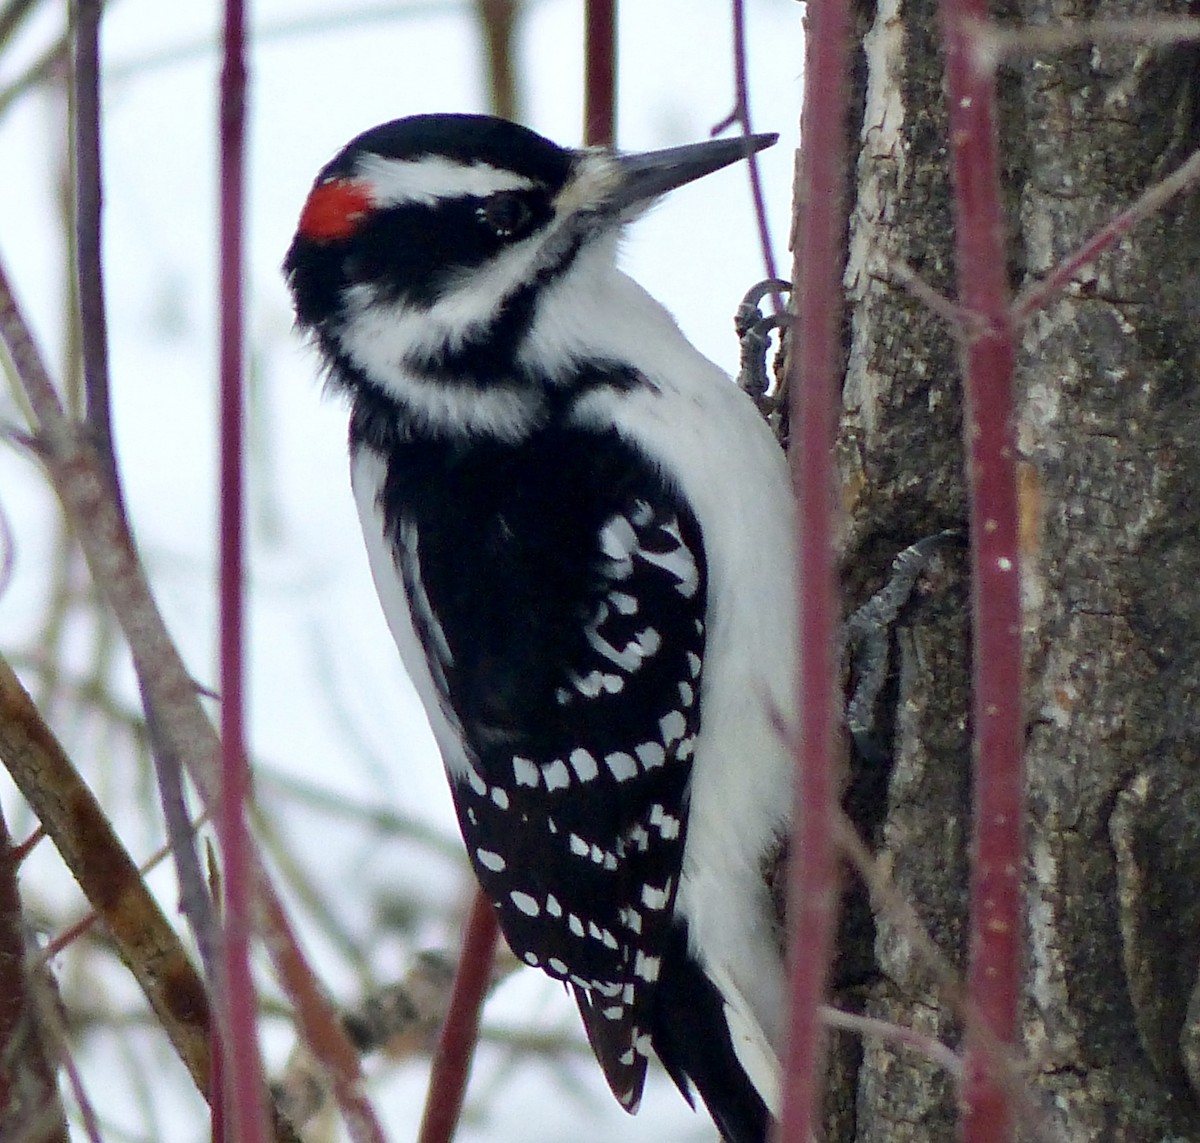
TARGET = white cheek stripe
x,y
394,182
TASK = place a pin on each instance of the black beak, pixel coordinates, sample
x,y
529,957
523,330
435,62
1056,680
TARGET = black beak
x,y
644,177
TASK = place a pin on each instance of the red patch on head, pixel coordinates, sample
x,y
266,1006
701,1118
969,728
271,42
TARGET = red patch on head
x,y
335,209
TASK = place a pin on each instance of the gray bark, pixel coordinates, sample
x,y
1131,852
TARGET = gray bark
x,y
1109,430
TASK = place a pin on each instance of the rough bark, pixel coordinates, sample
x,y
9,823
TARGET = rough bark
x,y
1110,496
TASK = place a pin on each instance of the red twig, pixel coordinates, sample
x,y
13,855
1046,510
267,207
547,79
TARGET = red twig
x,y
600,73
320,1027
456,1041
741,116
22,850
244,1104
993,982
814,373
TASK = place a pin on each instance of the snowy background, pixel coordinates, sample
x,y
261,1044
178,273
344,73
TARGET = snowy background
x,y
334,726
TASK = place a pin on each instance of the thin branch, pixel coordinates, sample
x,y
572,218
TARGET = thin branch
x,y
194,898
962,323
600,73
871,1027
497,21
29,1105
79,928
243,1086
108,876
89,192
887,901
320,1024
91,1122
1035,297
460,1032
12,15
814,379
994,44
43,69
989,428
741,115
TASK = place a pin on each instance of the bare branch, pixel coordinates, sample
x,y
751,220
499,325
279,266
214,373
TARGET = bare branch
x,y
814,378
456,1044
29,1105
108,876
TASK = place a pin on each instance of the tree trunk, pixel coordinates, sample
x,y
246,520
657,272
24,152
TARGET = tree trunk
x,y
1109,383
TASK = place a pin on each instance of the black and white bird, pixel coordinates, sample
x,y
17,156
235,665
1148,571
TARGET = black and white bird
x,y
580,532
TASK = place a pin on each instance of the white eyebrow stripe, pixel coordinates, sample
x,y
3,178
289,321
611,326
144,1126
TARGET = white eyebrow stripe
x,y
398,181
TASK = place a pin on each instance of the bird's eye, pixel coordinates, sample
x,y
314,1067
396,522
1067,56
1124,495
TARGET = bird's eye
x,y
504,214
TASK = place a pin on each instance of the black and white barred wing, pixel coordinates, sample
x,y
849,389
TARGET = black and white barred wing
x,y
577,698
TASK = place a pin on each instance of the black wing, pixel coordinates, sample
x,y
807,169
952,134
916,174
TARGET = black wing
x,y
568,642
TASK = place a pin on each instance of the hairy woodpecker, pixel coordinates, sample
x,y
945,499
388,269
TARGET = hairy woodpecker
x,y
580,532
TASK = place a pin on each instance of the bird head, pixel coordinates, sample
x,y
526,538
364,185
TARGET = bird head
x,y
426,245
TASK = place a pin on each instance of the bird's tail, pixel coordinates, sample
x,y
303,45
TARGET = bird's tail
x,y
706,1035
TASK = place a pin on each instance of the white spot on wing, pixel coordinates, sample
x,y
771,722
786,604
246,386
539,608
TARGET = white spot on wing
x,y
647,966
628,658
584,765
673,726
523,901
525,771
668,824
596,683
618,540
652,754
624,603
490,860
556,775
678,562
654,898
622,766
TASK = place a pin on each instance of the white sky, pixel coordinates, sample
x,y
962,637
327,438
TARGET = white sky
x,y
320,656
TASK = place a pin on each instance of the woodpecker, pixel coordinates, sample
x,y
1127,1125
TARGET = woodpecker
x,y
581,534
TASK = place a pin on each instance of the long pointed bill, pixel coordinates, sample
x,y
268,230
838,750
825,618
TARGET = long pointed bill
x,y
644,177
